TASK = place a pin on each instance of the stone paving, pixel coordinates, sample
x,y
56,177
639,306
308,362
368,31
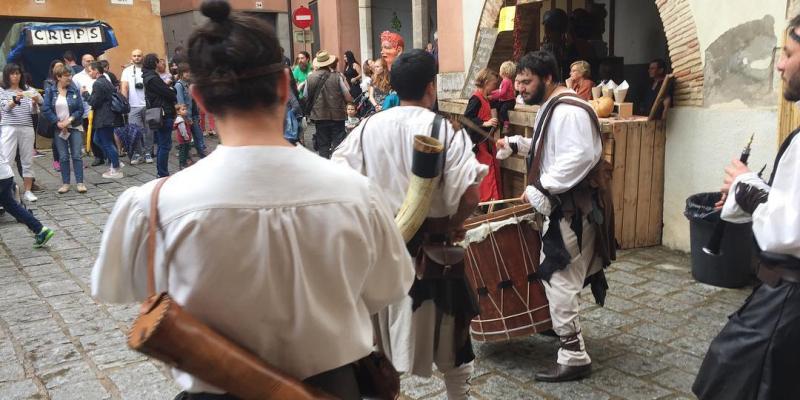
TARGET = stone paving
x,y
56,342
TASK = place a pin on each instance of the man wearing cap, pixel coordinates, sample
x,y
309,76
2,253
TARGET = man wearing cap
x,y
327,94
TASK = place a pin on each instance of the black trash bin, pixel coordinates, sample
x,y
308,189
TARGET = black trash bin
x,y
734,266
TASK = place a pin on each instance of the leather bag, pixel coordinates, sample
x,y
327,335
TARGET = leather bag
x,y
153,117
377,378
440,261
164,331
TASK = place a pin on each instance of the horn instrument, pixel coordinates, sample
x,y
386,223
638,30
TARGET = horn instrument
x,y
426,169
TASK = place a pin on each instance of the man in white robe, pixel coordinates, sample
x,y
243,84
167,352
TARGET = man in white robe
x,y
757,353
428,326
572,148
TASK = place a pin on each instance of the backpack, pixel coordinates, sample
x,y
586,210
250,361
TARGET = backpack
x,y
119,104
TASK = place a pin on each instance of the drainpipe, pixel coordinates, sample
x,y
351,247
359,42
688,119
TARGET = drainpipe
x,y
291,30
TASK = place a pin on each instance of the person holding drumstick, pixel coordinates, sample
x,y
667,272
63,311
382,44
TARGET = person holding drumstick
x,y
439,307
561,186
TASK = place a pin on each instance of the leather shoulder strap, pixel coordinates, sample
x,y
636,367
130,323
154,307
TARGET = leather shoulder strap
x,y
436,127
361,144
781,151
537,148
153,228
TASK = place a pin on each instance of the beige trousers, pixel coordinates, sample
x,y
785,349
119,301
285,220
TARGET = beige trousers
x,y
414,341
564,289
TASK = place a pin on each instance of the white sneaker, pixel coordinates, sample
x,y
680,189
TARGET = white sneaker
x,y
136,159
29,196
148,159
111,174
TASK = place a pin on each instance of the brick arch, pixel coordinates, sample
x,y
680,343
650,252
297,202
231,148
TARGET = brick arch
x,y
684,51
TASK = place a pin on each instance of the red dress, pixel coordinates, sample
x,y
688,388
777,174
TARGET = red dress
x,y
491,186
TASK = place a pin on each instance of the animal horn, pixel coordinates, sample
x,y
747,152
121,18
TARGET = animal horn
x,y
426,169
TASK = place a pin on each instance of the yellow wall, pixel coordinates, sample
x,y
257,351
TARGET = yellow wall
x,y
136,26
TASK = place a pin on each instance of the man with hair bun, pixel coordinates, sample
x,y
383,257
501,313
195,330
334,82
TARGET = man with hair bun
x,y
289,266
431,324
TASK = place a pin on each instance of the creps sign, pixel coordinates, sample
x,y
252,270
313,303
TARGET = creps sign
x,y
42,37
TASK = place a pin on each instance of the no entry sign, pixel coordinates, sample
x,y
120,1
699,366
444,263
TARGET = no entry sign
x,y
302,17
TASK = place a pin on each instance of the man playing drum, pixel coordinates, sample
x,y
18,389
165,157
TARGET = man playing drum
x,y
561,187
432,323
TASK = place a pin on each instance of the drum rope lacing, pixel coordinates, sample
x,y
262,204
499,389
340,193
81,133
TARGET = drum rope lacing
x,y
528,264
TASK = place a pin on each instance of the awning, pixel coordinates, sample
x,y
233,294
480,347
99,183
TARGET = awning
x,y
35,44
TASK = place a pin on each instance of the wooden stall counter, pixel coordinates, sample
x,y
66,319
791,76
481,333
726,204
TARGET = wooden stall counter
x,y
635,148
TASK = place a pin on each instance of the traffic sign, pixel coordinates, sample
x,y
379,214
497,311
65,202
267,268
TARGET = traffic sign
x,y
302,17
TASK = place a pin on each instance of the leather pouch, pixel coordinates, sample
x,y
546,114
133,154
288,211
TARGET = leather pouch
x,y
377,377
440,261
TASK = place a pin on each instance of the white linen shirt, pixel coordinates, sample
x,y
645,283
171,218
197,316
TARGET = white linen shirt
x,y
776,222
572,149
389,144
83,80
277,249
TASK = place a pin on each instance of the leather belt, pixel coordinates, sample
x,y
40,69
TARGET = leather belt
x,y
772,275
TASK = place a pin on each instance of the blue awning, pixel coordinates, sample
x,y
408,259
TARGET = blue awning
x,y
34,44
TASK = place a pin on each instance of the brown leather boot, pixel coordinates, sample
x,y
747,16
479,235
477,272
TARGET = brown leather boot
x,y
564,373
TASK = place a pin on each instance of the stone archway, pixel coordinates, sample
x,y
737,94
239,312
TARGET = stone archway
x,y
681,33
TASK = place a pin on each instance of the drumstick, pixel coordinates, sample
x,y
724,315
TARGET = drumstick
x,y
488,203
471,125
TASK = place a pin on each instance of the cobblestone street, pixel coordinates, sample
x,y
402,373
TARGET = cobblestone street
x,y
56,342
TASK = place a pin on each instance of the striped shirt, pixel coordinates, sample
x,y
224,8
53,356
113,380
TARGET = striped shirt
x,y
19,115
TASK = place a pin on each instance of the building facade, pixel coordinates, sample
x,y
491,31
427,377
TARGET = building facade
x,y
136,23
181,17
724,61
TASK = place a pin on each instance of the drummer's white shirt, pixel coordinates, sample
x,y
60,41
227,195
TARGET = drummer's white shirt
x,y
775,222
571,147
276,248
388,145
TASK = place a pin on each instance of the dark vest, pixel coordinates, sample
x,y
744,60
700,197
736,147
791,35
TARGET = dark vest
x,y
328,102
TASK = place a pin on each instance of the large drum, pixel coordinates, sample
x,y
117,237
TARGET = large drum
x,y
501,262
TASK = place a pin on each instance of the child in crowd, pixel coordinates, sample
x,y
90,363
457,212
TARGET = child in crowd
x,y
479,111
503,99
352,118
10,205
366,76
182,136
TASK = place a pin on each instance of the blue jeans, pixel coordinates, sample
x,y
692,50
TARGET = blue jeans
x,y
11,206
70,149
164,140
104,137
199,141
